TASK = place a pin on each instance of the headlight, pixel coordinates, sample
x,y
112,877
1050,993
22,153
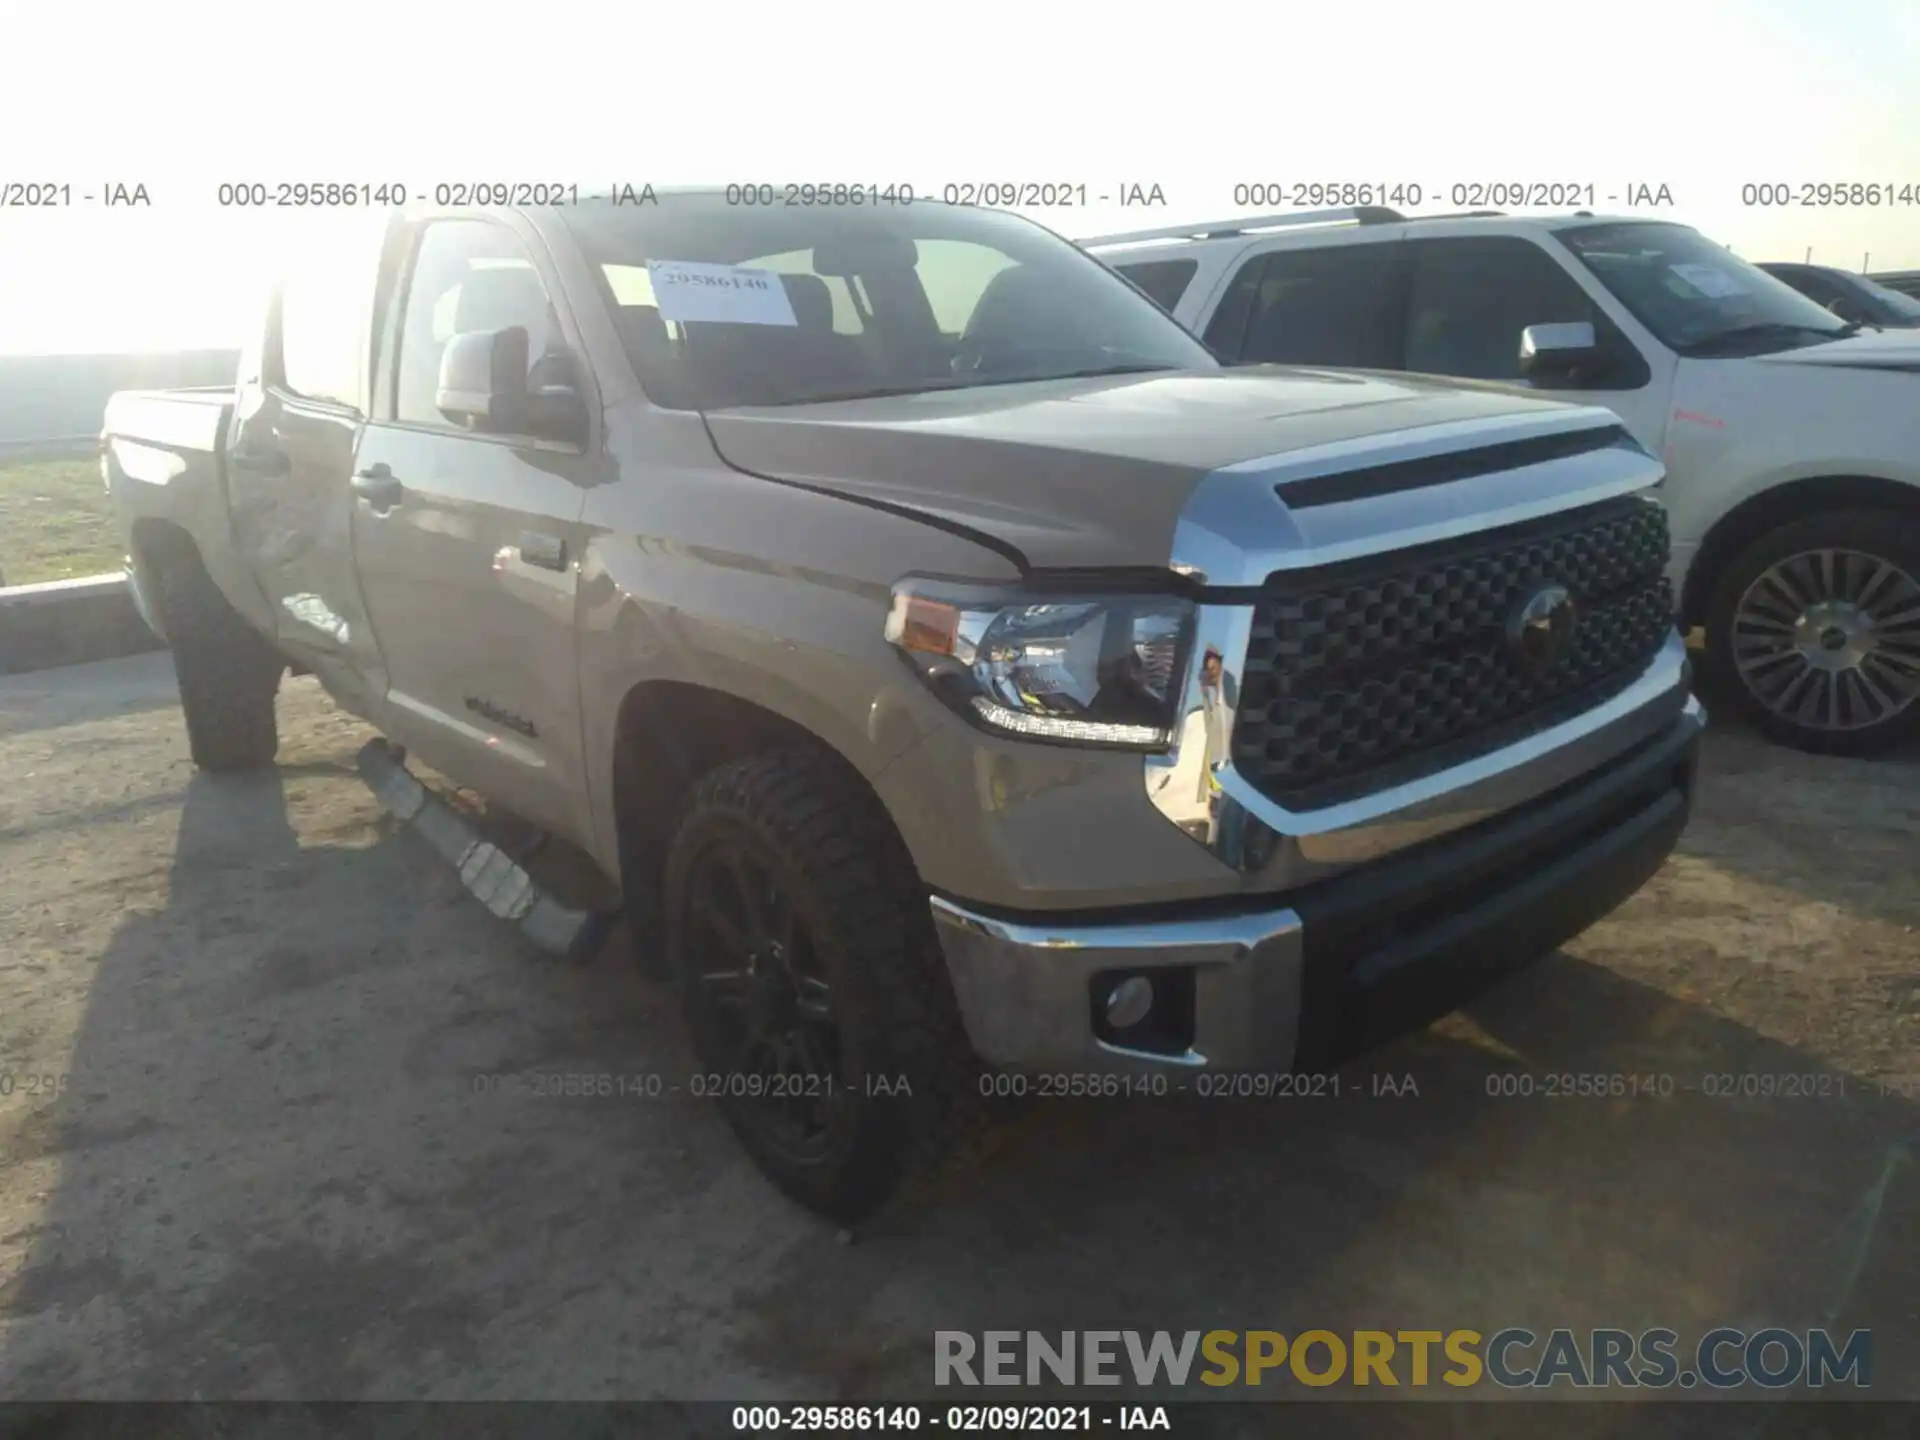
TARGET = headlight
x,y
1086,671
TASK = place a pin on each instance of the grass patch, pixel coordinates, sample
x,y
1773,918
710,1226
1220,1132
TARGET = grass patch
x,y
54,521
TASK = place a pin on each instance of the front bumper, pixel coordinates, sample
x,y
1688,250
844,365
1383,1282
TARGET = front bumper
x,y
1350,962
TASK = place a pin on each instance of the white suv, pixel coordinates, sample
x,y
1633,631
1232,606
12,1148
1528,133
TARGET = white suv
x,y
1791,438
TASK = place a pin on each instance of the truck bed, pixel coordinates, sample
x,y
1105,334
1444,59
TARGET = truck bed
x,y
190,420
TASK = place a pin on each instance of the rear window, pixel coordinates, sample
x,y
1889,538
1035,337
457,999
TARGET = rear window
x,y
323,309
1165,281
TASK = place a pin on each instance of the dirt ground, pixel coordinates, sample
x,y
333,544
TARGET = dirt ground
x,y
249,1147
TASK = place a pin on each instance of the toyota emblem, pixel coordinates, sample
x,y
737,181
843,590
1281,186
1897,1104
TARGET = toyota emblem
x,y
1541,627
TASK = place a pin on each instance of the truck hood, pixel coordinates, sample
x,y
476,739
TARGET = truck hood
x,y
1869,350
1081,474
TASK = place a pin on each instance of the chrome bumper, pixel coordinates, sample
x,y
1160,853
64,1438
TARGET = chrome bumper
x,y
1344,964
1026,988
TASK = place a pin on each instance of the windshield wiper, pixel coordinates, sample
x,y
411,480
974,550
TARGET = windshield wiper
x,y
918,387
874,392
1763,329
1093,373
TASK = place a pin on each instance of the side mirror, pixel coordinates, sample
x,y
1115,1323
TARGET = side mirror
x,y
1561,353
484,386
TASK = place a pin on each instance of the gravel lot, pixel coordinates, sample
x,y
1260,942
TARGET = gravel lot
x,y
244,1154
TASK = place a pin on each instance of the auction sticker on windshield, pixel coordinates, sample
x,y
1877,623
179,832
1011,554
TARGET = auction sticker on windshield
x,y
1712,281
719,294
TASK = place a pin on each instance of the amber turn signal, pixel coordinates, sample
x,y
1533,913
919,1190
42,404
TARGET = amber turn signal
x,y
924,625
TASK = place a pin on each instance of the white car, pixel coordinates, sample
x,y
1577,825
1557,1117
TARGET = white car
x,y
1791,438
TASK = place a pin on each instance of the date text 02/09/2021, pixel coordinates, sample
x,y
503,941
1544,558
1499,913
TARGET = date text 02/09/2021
x,y
952,1419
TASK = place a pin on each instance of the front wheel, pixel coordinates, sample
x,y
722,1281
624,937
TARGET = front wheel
x,y
821,1014
1814,632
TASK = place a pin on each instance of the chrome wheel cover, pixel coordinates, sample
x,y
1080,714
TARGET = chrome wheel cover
x,y
1829,639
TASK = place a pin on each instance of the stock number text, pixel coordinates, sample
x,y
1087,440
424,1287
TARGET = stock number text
x,y
1314,194
782,196
293,194
1831,194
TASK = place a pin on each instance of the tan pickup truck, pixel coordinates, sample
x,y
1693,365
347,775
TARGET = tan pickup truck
x,y
961,672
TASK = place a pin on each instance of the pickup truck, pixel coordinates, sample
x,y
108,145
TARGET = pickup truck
x,y
1791,437
957,668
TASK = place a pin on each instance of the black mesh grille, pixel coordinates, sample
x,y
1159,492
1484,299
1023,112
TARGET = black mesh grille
x,y
1371,673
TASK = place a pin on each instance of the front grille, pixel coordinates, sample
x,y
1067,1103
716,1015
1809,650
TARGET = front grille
x,y
1375,672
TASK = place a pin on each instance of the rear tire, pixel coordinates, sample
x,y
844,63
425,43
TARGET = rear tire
x,y
1813,632
228,672
848,945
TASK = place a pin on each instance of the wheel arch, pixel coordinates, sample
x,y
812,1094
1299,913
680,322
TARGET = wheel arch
x,y
667,733
1776,506
153,543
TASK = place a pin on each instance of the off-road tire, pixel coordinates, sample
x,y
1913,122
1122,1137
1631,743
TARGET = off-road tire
x,y
839,859
229,673
1888,535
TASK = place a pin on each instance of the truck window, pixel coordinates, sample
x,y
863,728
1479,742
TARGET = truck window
x,y
1165,281
878,299
1470,297
325,331
1341,305
467,275
955,274
846,314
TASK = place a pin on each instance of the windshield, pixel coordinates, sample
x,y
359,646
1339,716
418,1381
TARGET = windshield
x,y
720,305
1892,303
1699,297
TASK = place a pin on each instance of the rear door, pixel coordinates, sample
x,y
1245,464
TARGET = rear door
x,y
299,408
468,544
1333,305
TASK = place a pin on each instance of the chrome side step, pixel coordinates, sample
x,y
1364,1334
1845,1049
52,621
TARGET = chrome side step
x,y
490,875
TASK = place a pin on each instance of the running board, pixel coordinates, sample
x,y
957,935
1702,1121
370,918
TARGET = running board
x,y
490,875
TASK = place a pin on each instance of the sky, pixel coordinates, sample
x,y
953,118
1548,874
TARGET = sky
x,y
1702,96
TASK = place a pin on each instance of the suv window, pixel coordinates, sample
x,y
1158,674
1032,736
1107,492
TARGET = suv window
x,y
1470,297
1694,295
1341,305
1165,281
467,275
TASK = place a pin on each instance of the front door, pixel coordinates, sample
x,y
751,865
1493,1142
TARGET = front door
x,y
468,544
1469,297
299,410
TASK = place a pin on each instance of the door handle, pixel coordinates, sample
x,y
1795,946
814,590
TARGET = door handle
x,y
548,552
267,464
379,487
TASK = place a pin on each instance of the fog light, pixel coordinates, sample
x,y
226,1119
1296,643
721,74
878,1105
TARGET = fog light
x,y
1129,1001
